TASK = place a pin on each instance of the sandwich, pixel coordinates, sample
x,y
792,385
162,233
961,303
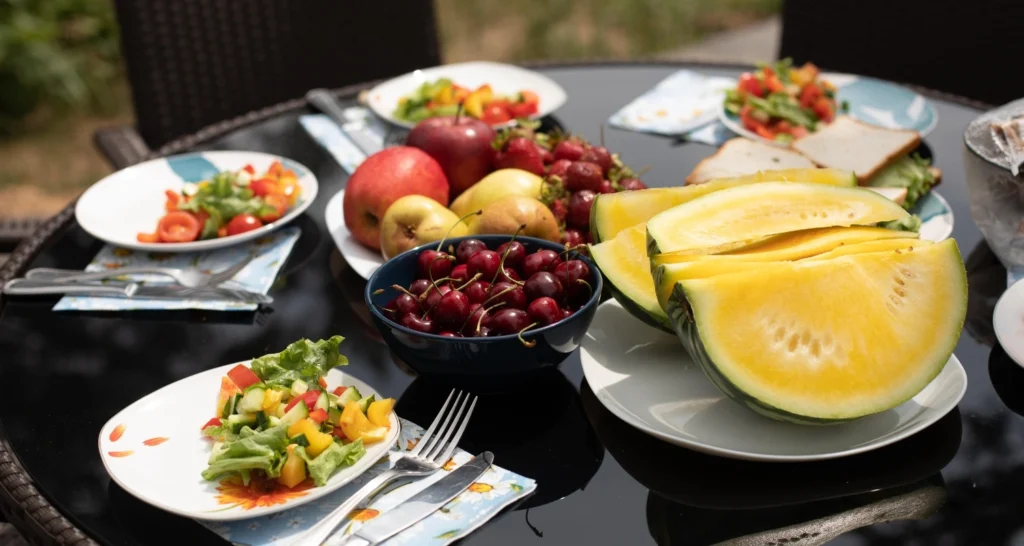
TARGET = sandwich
x,y
741,156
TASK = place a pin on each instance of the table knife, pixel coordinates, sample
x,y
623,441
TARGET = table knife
x,y
28,287
422,504
357,130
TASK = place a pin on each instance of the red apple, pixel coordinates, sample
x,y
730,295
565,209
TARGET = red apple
x,y
382,179
461,145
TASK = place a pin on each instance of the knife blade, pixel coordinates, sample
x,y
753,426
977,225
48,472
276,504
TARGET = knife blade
x,y
28,287
357,130
422,504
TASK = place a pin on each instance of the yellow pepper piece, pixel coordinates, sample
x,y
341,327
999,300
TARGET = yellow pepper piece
x,y
474,104
374,435
271,399
294,471
378,412
355,425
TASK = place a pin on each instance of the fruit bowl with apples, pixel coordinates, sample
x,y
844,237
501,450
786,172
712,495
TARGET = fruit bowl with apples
x,y
484,307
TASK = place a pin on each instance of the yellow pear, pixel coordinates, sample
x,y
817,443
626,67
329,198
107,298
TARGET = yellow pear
x,y
416,220
505,215
499,184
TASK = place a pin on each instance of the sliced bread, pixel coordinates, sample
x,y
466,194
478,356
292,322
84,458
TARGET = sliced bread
x,y
741,156
851,145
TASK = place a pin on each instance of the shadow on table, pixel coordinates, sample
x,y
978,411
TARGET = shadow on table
x,y
150,525
986,281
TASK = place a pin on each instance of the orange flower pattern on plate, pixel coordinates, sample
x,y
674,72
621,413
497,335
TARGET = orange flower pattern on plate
x,y
155,441
260,492
366,514
450,465
120,453
478,487
116,434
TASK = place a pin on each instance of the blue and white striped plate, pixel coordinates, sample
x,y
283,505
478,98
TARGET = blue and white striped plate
x,y
872,101
131,201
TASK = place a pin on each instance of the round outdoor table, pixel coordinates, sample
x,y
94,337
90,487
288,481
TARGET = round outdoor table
x,y
601,482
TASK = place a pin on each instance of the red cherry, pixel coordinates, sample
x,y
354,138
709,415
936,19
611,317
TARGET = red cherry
x,y
574,276
511,294
572,237
451,310
542,260
448,333
404,304
514,252
434,296
546,156
599,155
560,209
583,175
484,262
414,322
484,332
545,311
558,168
580,204
476,311
431,264
632,184
508,321
568,149
542,284
606,187
459,274
467,248
566,313
509,274
476,291
419,286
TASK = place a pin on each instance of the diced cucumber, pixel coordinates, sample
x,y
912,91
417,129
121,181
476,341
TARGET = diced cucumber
x,y
261,420
334,416
297,413
332,398
252,401
351,394
326,427
299,439
364,403
299,387
229,406
239,420
322,402
273,421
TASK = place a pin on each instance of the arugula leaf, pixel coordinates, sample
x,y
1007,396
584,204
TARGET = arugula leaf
x,y
329,460
303,360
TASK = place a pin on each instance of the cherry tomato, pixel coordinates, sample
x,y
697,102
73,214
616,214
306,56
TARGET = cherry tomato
x,y
178,227
750,84
748,120
215,422
529,97
522,109
243,223
249,169
824,109
148,238
222,231
275,169
495,113
243,376
782,126
773,83
809,95
263,187
280,204
764,132
318,415
173,198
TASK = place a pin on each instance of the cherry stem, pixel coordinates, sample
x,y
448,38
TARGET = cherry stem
x,y
501,264
461,220
474,278
378,291
385,309
590,289
531,343
480,321
430,270
499,294
458,112
401,289
568,249
433,284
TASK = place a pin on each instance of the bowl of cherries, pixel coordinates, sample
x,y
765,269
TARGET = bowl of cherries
x,y
484,305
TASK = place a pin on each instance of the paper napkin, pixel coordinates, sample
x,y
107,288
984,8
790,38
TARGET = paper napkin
x,y
270,253
329,135
495,490
684,104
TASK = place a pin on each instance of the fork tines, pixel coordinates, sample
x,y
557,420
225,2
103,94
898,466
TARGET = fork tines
x,y
438,444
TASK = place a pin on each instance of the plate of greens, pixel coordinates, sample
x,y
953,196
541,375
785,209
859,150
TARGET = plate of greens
x,y
196,202
250,438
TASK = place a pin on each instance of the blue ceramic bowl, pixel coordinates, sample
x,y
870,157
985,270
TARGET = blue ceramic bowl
x,y
476,357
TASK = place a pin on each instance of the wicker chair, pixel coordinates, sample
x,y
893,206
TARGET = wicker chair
x,y
967,48
194,62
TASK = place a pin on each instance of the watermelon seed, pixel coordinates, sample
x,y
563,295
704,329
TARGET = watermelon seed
x,y
803,215
850,215
816,348
899,281
793,341
901,292
780,333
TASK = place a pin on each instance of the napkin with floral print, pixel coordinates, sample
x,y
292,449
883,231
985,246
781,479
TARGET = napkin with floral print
x,y
486,498
269,254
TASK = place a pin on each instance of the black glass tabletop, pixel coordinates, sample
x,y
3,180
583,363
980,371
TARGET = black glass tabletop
x,y
601,482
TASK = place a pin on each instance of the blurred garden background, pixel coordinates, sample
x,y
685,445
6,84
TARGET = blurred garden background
x,y
61,77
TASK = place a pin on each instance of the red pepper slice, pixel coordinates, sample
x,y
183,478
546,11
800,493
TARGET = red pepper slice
x,y
215,422
318,415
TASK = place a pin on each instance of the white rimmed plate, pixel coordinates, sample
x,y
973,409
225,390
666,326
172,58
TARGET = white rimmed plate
x,y
167,474
505,79
646,378
362,260
872,101
1008,322
131,201
936,217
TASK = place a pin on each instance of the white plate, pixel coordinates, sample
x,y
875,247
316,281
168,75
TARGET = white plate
x,y
362,260
936,217
1008,321
646,378
872,101
505,79
168,475
131,201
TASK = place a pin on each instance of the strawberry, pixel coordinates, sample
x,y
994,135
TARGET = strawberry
x,y
560,209
558,167
631,184
599,155
582,175
606,187
568,149
520,153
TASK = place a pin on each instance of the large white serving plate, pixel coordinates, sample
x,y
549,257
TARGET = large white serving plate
x,y
131,201
504,79
1008,322
167,475
364,261
646,378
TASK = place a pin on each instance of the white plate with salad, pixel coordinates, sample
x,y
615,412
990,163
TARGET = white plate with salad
x,y
250,439
779,103
196,202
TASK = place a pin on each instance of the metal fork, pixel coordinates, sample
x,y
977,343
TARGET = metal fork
x,y
430,454
189,278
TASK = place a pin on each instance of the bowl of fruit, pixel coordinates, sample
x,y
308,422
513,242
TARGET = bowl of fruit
x,y
484,306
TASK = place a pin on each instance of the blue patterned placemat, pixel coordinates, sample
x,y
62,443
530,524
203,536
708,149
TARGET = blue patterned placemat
x,y
495,490
270,254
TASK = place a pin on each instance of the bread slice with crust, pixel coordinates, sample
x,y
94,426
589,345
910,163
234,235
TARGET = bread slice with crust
x,y
855,146
741,156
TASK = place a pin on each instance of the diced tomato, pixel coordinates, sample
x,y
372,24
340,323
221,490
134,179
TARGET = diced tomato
x,y
824,109
764,132
215,422
249,169
522,109
280,203
799,131
782,126
768,71
773,83
275,169
529,97
495,113
263,187
750,84
222,231
318,415
338,391
748,120
243,223
243,376
322,382
337,433
178,227
173,198
309,397
810,94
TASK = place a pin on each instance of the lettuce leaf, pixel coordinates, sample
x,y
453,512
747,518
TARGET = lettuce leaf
x,y
303,360
250,451
334,457
911,172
